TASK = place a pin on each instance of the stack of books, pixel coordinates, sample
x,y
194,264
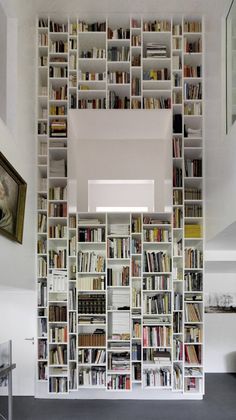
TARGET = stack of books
x,y
155,50
58,128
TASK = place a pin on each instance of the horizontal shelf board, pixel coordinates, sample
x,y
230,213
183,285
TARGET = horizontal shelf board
x,y
92,273
118,372
92,225
157,273
92,347
91,364
91,243
157,291
151,225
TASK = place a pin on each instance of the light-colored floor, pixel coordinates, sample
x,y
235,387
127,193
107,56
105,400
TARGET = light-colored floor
x,y
219,404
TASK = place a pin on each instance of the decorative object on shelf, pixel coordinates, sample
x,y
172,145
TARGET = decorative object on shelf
x,y
12,201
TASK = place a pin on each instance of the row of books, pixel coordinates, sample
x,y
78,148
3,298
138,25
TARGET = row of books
x,y
58,355
42,267
118,248
177,218
193,281
115,382
157,283
192,312
193,258
91,283
177,197
156,235
95,376
91,304
119,54
178,301
192,91
57,110
157,304
42,293
93,53
157,261
41,246
92,76
193,108
136,245
57,313
91,356
136,40
57,259
193,46
58,193
57,209
89,27
72,246
58,282
119,33
97,103
117,102
177,177
159,336
42,327
118,77
58,46
58,93
96,339
42,349
160,74
193,231
157,26
57,231
178,248
192,71
58,385
156,103
117,277
91,262
177,377
91,234
193,334
57,334
193,167
193,354
72,347
158,377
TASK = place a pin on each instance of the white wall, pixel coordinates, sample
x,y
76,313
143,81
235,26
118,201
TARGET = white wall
x,y
18,145
18,261
3,67
220,353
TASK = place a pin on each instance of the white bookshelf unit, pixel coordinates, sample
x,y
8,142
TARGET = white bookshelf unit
x,y
110,320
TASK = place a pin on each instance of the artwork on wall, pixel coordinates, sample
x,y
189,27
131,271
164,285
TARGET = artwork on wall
x,y
222,302
12,201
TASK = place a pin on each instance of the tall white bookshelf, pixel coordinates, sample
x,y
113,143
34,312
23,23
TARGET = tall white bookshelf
x,y
130,63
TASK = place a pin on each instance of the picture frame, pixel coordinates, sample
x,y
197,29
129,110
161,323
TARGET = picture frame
x,y
12,201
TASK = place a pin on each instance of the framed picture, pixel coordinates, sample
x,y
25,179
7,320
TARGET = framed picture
x,y
12,201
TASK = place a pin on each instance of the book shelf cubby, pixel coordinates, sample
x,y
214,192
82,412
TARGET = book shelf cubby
x,y
120,296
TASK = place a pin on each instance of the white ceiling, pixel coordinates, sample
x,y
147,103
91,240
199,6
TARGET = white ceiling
x,y
31,8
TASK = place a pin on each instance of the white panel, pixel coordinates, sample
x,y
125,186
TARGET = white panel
x,y
121,124
18,308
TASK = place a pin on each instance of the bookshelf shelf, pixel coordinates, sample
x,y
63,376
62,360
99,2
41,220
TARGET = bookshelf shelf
x,y
176,56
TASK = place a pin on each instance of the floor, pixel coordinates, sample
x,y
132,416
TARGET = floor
x,y
218,404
